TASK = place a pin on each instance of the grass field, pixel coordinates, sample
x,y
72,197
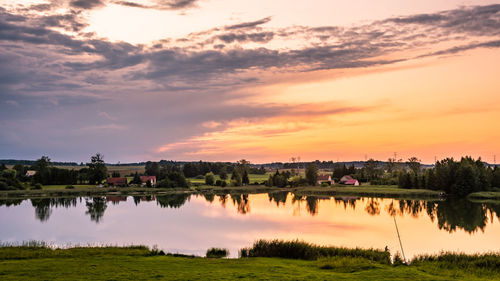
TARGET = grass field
x,y
136,263
252,177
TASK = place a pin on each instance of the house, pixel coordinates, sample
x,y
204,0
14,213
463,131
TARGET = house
x,y
151,179
345,179
352,182
30,173
117,181
325,178
349,180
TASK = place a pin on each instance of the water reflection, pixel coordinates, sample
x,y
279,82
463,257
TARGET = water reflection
x,y
450,215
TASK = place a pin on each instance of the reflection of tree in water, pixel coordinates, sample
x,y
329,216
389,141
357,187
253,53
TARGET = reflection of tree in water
x,y
494,210
210,197
451,214
43,206
346,202
312,204
223,200
172,200
11,202
242,203
373,207
278,197
462,214
412,207
95,208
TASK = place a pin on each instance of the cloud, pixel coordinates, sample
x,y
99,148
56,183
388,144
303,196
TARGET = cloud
x,y
55,82
86,4
161,4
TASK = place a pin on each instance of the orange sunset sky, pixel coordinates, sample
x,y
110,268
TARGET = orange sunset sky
x,y
221,80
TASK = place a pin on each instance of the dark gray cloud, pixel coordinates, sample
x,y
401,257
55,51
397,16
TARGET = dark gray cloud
x,y
261,37
247,25
161,4
86,4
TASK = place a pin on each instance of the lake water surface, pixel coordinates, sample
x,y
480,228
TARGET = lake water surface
x,y
191,224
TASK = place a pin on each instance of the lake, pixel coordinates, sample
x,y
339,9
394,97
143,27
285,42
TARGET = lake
x,y
191,224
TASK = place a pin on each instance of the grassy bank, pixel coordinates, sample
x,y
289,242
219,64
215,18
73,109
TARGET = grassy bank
x,y
88,190
140,263
491,195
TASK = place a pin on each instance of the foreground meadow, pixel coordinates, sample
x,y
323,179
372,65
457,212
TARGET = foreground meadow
x,y
141,263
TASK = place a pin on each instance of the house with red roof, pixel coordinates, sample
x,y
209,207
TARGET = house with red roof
x,y
348,180
117,181
151,179
325,178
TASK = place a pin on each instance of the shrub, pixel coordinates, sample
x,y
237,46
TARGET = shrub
x,y
217,253
488,261
209,178
223,184
305,251
37,186
69,187
324,184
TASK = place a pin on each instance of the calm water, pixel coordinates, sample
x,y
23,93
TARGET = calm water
x,y
192,224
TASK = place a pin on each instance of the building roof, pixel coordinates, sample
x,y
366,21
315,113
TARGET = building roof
x,y
30,173
117,180
144,179
351,181
346,178
324,178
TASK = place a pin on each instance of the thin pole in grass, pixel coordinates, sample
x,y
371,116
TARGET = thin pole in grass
x,y
399,237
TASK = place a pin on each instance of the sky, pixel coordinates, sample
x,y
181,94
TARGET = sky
x,y
223,80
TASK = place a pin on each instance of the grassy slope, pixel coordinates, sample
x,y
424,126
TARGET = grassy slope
x,y
132,264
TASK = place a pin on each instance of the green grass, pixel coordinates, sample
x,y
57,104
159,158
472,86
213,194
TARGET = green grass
x,y
63,186
136,263
485,195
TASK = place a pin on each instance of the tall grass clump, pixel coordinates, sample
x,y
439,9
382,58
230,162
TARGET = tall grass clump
x,y
217,253
450,260
39,249
305,251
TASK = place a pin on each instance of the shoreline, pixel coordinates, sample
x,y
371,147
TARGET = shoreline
x,y
377,191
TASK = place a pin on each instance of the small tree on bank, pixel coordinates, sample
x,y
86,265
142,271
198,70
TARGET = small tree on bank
x,y
209,178
97,169
312,174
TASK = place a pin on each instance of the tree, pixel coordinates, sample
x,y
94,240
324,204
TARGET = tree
x,y
414,164
209,178
153,169
372,168
42,164
3,167
245,180
223,173
136,179
312,174
97,169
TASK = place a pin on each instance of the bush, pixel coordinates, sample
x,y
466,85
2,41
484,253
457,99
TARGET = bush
x,y
210,178
223,184
305,251
324,184
69,187
489,261
217,253
37,186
